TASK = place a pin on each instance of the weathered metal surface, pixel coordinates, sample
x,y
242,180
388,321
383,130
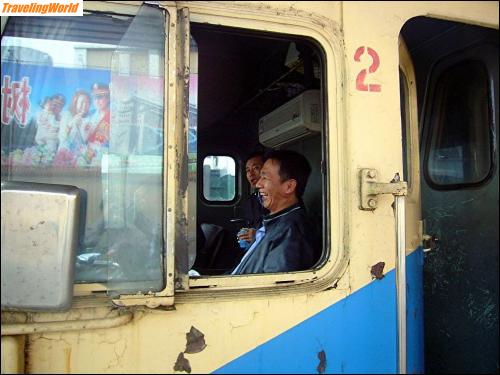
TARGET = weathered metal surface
x,y
322,362
377,271
182,364
195,341
39,238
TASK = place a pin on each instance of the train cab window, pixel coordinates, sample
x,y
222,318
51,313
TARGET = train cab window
x,y
256,92
459,152
82,105
219,178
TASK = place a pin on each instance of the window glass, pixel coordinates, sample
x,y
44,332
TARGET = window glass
x,y
192,148
460,143
82,104
219,178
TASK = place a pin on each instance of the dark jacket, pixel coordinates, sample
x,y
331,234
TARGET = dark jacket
x,y
253,211
287,245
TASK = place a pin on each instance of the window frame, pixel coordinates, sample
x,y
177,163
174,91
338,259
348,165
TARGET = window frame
x,y
334,260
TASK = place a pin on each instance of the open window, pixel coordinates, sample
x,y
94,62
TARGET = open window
x,y
82,105
256,91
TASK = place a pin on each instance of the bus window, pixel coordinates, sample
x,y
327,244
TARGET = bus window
x,y
82,105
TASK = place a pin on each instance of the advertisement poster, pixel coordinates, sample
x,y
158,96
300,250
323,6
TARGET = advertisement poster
x,y
53,116
63,117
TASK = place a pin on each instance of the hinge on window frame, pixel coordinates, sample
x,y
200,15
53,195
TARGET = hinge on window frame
x,y
370,188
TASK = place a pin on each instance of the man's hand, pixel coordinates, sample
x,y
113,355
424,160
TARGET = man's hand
x,y
248,236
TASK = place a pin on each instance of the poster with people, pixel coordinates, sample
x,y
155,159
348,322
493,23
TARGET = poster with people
x,y
54,116
61,117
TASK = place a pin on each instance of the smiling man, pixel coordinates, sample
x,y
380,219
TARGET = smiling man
x,y
284,242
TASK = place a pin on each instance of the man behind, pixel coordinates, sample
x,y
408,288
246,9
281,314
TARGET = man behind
x,y
284,242
253,209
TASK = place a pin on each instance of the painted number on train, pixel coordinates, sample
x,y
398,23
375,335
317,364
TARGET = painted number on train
x,y
361,85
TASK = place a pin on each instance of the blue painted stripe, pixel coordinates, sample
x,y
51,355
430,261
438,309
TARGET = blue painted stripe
x,y
415,312
358,334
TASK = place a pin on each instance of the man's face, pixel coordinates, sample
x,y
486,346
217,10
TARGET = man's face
x,y
275,193
253,167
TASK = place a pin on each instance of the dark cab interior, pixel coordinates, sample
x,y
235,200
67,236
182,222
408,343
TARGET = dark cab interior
x,y
243,76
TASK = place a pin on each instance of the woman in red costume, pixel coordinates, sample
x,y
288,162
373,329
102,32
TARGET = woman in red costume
x,y
97,131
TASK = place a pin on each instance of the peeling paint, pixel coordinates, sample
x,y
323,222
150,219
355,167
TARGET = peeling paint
x,y
322,362
377,271
241,321
27,355
119,354
182,364
195,341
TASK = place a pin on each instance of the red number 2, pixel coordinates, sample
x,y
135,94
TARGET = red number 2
x,y
360,79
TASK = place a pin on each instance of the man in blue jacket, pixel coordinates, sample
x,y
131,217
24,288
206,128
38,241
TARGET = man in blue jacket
x,y
284,242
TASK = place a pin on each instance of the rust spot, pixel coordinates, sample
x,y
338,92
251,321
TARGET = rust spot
x,y
322,362
28,360
377,271
184,178
182,364
195,341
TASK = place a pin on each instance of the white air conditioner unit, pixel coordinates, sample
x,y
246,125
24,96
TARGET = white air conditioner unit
x,y
296,119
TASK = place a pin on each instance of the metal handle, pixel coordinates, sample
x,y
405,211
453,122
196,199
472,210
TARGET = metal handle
x,y
369,191
401,280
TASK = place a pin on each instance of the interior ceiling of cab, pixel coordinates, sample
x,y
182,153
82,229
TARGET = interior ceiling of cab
x,y
240,73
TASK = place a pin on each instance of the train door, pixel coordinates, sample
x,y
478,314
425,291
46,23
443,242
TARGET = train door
x,y
456,69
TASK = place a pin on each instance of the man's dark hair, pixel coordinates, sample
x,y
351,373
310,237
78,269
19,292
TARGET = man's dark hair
x,y
292,165
254,155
